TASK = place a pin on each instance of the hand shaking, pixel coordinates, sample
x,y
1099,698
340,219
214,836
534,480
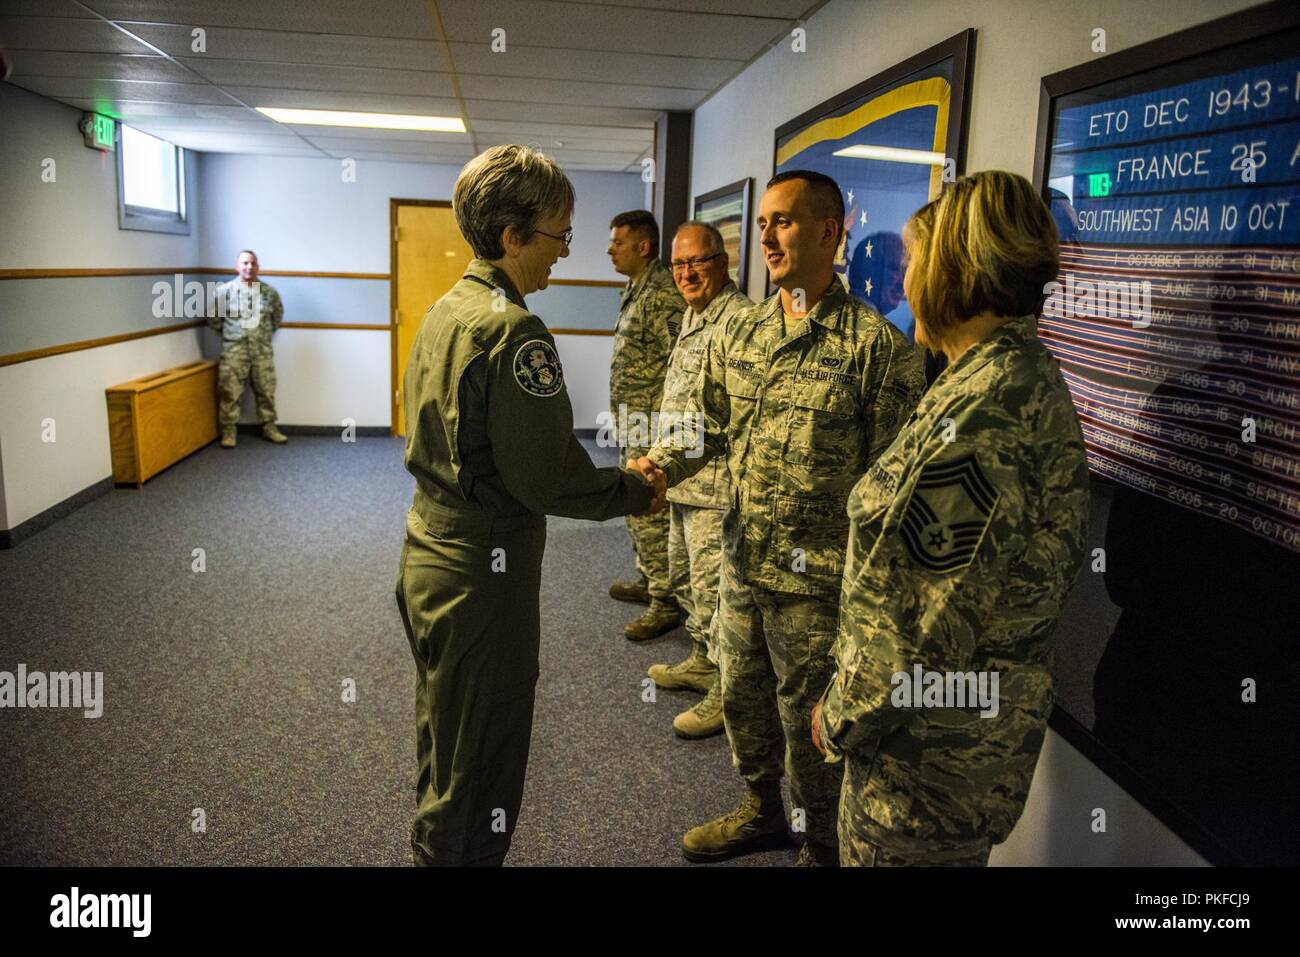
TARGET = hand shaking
x,y
654,476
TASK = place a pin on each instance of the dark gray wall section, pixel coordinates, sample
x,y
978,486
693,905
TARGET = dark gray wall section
x,y
577,307
309,299
40,313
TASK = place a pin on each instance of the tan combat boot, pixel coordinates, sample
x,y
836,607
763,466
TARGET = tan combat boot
x,y
696,672
705,719
227,438
272,434
757,825
659,618
638,591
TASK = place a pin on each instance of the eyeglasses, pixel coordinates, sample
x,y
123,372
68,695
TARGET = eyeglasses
x,y
680,264
566,238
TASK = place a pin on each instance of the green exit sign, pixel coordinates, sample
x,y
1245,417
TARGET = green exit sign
x,y
101,131
1098,184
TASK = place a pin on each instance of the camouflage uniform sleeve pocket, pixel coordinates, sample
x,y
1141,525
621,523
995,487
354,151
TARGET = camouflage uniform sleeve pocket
x,y
831,400
741,386
811,535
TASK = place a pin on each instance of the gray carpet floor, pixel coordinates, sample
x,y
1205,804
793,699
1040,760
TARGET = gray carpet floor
x,y
223,689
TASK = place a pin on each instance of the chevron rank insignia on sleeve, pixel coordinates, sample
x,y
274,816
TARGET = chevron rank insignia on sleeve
x,y
948,514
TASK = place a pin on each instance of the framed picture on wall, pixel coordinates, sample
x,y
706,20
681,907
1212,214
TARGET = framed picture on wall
x,y
1172,171
727,208
889,142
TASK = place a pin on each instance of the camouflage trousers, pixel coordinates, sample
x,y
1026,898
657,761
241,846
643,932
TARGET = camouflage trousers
x,y
241,361
775,656
865,843
694,563
649,534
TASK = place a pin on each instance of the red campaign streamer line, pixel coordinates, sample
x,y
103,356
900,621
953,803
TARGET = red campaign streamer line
x,y
1082,351
1128,399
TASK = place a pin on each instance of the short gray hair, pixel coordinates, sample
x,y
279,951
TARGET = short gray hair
x,y
716,245
508,186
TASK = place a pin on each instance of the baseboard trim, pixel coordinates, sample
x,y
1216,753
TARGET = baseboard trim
x,y
11,537
368,431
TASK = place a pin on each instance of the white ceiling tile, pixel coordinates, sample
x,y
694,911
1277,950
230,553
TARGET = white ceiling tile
x,y
324,100
590,74
228,142
285,150
521,60
399,18
450,158
735,8
129,110
324,49
300,76
549,23
65,88
556,113
352,147
540,131
45,8
99,66
564,92
171,127
78,36
549,144
343,136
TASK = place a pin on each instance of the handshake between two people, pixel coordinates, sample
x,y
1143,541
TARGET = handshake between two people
x,y
654,476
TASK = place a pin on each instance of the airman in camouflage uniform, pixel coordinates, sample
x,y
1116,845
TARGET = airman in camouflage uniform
x,y
649,319
699,503
960,556
967,534
246,314
800,406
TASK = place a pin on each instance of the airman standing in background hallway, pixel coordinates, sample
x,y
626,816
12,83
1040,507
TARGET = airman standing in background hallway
x,y
967,535
802,393
253,312
698,504
649,319
490,442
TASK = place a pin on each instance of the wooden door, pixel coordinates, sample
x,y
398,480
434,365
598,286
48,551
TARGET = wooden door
x,y
428,256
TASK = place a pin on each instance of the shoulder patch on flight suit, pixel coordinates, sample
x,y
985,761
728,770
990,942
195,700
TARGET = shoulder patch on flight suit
x,y
537,368
948,513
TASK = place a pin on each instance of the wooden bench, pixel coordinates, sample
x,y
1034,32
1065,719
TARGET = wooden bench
x,y
157,420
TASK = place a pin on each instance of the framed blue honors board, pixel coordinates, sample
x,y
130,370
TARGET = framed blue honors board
x,y
1173,172
888,142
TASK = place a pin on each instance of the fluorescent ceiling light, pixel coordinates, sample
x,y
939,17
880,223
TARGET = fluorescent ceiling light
x,y
376,121
892,154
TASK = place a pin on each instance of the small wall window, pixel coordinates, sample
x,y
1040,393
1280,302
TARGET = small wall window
x,y
150,183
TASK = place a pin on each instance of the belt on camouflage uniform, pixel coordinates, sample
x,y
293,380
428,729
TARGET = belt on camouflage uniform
x,y
443,519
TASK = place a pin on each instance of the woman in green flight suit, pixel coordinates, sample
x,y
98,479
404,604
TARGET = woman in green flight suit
x,y
490,443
